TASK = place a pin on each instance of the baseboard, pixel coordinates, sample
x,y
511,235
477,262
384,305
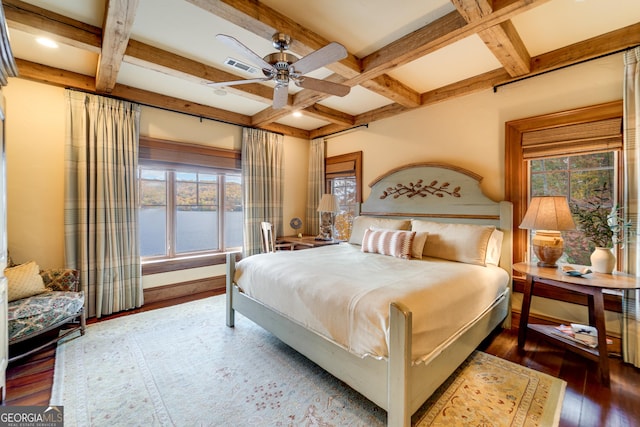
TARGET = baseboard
x,y
182,289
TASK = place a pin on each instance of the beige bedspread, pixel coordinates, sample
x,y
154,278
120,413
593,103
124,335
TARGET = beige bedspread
x,y
344,294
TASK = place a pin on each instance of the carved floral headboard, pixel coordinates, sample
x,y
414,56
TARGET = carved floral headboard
x,y
439,192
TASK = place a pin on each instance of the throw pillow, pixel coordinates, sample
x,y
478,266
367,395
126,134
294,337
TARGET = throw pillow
x,y
24,281
388,242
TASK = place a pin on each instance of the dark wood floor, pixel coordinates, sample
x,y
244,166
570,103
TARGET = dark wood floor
x,y
587,403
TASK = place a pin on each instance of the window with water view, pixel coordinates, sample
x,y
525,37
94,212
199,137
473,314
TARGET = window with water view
x,y
186,212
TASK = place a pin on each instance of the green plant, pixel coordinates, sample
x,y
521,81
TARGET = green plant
x,y
601,222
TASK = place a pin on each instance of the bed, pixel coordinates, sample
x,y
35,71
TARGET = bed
x,y
387,313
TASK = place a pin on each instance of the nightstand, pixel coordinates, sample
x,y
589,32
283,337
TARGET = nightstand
x,y
590,285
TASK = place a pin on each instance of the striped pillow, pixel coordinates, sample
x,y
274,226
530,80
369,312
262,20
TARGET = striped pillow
x,y
388,242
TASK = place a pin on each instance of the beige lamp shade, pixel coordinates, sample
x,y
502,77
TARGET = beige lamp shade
x,y
329,203
548,215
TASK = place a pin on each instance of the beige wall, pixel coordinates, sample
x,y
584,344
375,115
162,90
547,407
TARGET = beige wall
x,y
35,170
467,131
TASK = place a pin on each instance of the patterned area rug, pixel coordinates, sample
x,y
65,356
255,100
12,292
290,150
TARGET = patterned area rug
x,y
181,366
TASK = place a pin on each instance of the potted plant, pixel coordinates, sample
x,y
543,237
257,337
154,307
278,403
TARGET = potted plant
x,y
604,226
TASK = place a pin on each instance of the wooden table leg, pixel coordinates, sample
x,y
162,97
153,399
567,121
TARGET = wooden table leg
x,y
599,323
524,312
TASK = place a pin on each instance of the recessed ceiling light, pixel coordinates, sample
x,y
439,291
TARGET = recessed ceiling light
x,y
297,114
47,42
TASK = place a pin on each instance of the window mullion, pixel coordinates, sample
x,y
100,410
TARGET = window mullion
x,y
221,209
171,213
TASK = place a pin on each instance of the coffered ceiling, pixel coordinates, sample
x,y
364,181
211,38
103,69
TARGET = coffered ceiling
x,y
401,55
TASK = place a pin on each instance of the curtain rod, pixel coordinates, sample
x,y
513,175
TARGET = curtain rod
x,y
170,110
495,88
337,133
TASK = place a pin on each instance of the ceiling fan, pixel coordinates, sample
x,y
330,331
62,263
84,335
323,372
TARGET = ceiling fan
x,y
283,67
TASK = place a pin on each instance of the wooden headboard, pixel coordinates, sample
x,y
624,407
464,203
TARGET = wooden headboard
x,y
439,192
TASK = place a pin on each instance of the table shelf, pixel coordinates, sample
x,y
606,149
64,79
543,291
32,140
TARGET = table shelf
x,y
559,338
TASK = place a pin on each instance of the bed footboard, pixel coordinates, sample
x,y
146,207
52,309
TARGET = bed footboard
x,y
396,385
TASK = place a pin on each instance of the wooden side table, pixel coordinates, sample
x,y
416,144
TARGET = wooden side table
x,y
590,285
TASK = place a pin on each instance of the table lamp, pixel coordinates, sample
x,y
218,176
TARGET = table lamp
x,y
329,205
548,215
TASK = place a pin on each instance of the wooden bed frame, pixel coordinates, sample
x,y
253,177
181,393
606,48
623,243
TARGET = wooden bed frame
x,y
432,191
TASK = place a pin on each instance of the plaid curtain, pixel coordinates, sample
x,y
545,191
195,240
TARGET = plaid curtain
x,y
316,186
631,298
101,219
263,185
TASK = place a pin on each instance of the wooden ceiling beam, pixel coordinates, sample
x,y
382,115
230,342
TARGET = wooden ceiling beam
x,y
325,113
76,33
54,76
438,34
67,79
393,89
35,20
614,41
264,21
31,19
150,57
595,47
326,130
503,39
116,32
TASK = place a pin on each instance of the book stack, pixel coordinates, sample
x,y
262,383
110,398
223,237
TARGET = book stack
x,y
583,334
586,334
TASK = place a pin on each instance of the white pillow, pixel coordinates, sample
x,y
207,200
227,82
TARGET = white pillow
x,y
419,241
396,243
24,281
362,223
494,247
456,242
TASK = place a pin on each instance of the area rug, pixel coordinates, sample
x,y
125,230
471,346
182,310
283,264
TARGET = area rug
x,y
181,366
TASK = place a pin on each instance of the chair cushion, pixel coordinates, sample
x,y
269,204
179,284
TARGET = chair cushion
x,y
29,316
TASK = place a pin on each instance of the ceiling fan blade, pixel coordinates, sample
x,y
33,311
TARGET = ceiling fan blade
x,y
245,51
324,56
238,82
280,96
323,86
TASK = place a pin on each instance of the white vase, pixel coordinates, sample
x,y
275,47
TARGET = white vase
x,y
603,260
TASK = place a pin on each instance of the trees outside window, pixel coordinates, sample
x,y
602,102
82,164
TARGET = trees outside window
x,y
583,179
343,175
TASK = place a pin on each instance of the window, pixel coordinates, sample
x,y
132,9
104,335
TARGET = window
x,y
344,179
190,200
181,212
582,179
567,153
